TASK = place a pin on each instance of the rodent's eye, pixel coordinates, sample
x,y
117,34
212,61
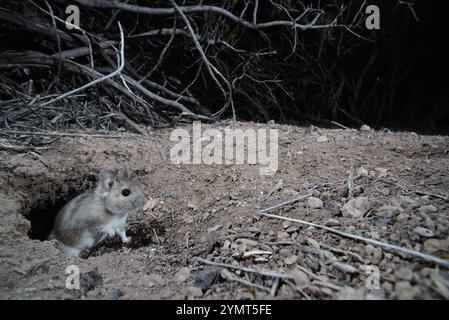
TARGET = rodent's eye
x,y
126,192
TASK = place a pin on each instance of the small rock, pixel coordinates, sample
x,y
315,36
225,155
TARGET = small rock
x,y
362,171
435,245
427,209
286,224
285,252
429,222
301,278
402,217
314,203
390,210
346,268
291,260
373,252
365,128
190,293
405,202
313,243
348,293
271,121
404,274
182,275
424,232
405,291
357,207
332,223
116,294
282,235
382,171
334,207
150,204
381,222
291,229
193,204
321,139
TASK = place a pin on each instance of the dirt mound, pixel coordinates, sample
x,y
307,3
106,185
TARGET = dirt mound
x,y
209,211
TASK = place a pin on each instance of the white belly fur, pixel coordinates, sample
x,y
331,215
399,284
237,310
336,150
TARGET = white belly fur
x,y
115,225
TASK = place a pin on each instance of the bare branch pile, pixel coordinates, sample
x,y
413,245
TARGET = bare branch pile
x,y
134,64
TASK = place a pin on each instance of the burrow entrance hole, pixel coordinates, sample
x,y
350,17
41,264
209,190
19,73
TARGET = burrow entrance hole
x,y
43,213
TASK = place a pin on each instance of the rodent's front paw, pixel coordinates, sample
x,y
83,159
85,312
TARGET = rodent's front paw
x,y
110,233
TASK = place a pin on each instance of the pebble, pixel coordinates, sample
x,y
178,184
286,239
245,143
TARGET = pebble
x,y
405,202
182,275
427,209
286,224
402,217
382,171
321,139
332,223
190,293
348,293
390,210
387,286
434,245
315,203
346,268
405,291
313,243
285,252
291,259
116,294
282,235
291,229
362,171
365,128
381,222
373,252
301,278
404,274
424,232
357,207
429,222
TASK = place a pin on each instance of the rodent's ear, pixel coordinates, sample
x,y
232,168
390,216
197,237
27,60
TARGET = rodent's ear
x,y
107,179
127,171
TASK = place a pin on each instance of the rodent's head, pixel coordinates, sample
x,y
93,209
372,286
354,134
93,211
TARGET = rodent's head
x,y
119,192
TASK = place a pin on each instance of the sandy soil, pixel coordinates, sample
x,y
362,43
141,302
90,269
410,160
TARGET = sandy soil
x,y
209,211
